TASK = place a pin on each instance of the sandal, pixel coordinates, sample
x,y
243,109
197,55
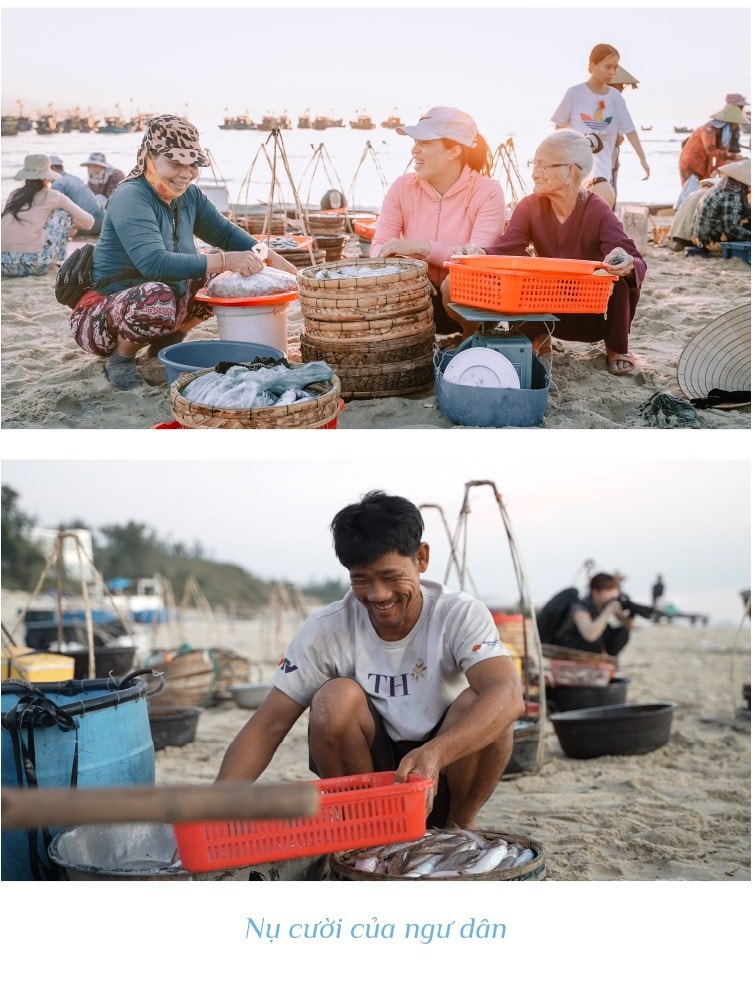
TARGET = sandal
x,y
622,359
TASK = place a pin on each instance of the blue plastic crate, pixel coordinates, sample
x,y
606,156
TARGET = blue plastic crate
x,y
741,250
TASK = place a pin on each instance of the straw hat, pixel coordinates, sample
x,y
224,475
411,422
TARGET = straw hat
x,y
36,167
96,159
732,114
738,170
622,76
718,356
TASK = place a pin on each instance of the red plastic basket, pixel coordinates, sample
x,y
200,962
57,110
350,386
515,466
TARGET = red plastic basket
x,y
358,811
529,285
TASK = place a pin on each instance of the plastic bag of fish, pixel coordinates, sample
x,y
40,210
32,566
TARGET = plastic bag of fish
x,y
241,388
269,281
441,853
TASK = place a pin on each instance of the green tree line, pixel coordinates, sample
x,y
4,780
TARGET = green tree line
x,y
134,550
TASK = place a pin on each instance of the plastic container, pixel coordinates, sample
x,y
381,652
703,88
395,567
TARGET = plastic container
x,y
617,730
253,320
740,250
572,698
114,746
361,810
42,667
173,726
477,406
194,355
529,285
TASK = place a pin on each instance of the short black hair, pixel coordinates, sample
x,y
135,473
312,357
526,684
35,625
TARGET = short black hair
x,y
603,581
375,526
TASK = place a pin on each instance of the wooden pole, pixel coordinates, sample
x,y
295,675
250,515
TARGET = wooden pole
x,y
40,808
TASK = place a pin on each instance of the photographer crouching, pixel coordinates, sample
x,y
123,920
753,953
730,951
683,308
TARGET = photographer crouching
x,y
601,621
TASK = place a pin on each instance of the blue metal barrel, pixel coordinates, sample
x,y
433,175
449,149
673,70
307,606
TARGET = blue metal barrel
x,y
96,732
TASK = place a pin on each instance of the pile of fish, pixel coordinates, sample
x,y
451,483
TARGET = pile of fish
x,y
356,271
441,853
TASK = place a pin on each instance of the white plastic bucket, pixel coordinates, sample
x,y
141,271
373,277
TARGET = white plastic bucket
x,y
267,324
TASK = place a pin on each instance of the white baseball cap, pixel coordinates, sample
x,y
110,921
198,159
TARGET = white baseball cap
x,y
443,123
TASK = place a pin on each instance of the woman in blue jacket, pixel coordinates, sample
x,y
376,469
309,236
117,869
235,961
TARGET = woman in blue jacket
x,y
147,269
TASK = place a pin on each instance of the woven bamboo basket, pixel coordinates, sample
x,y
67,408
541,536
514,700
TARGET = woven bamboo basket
x,y
332,245
309,414
302,258
353,304
408,270
383,380
325,222
366,351
397,324
531,870
254,224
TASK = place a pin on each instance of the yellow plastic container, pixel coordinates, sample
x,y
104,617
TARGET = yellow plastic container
x,y
12,652
42,667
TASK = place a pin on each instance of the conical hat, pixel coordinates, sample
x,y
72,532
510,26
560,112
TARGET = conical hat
x,y
621,76
718,356
732,114
738,170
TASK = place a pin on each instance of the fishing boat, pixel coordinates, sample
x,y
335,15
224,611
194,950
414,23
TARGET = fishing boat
x,y
322,122
47,125
304,121
269,121
646,128
392,121
115,125
9,125
363,122
682,130
237,123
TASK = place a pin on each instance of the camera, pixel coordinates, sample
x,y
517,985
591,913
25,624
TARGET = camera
x,y
634,610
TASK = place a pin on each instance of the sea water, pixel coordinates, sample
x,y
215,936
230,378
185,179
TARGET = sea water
x,y
362,164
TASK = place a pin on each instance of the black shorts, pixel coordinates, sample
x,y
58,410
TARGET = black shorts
x,y
444,324
387,753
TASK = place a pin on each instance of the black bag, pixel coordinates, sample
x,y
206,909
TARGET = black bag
x,y
552,614
76,275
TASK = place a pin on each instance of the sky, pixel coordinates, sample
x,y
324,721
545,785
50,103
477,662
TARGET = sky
x,y
272,516
494,61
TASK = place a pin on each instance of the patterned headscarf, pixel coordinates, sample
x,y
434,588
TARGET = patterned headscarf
x,y
175,138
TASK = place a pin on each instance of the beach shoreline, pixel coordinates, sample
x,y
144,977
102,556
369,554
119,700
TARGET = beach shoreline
x,y
49,383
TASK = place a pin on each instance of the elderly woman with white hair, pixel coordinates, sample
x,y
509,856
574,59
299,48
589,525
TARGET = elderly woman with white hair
x,y
562,219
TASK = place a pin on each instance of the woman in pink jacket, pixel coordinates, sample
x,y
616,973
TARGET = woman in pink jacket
x,y
449,200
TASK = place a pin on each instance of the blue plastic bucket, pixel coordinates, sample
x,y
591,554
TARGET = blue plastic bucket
x,y
478,406
194,355
110,719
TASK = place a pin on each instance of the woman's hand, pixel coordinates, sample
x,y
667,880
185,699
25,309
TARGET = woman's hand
x,y
276,260
468,250
405,248
243,262
618,262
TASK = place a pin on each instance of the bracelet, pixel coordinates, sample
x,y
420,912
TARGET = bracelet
x,y
222,258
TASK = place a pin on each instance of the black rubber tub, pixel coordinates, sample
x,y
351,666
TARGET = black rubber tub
x,y
615,730
575,698
173,726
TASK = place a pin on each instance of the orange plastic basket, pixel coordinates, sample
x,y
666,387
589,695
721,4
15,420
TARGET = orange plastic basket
x,y
358,811
529,284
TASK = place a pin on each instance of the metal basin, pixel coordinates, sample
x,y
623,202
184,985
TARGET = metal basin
x,y
249,695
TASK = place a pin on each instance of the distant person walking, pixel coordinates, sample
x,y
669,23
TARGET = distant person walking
x,y
657,590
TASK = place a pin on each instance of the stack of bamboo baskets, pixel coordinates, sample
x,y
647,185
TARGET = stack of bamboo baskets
x,y
372,321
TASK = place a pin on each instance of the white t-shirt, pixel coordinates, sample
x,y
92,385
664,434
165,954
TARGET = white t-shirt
x,y
412,682
605,114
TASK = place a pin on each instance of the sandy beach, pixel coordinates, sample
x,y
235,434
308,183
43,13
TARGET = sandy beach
x,y
679,813
48,382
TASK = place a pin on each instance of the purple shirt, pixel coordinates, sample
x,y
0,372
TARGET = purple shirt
x,y
590,233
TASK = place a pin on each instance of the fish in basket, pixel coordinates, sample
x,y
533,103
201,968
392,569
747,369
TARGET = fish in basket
x,y
461,854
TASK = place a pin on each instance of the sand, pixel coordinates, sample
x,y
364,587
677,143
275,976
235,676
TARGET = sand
x,y
679,813
48,382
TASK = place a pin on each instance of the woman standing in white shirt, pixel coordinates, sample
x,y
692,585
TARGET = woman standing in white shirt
x,y
595,106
